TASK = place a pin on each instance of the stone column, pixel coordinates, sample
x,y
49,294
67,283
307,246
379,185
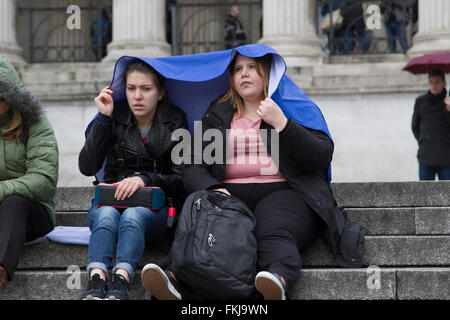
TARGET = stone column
x,y
8,38
139,29
434,27
289,26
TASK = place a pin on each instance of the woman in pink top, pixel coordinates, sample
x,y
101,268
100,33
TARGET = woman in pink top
x,y
285,224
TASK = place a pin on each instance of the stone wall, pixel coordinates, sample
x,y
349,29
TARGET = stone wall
x,y
372,136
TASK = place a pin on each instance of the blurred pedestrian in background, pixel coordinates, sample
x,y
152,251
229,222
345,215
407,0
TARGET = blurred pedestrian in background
x,y
431,128
234,31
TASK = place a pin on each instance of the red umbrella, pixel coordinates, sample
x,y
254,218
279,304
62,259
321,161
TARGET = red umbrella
x,y
429,62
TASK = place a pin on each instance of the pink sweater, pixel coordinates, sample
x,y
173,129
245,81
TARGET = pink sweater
x,y
247,158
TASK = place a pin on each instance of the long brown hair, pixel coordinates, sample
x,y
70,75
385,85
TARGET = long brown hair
x,y
142,67
15,129
262,67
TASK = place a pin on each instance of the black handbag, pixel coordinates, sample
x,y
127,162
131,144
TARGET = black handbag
x,y
153,198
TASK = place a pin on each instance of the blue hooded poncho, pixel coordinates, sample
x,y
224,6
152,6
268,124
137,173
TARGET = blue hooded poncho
x,y
194,81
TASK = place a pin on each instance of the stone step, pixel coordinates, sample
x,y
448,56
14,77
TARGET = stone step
x,y
316,284
409,240
348,195
389,251
73,219
380,251
362,284
379,221
70,80
68,284
392,194
403,221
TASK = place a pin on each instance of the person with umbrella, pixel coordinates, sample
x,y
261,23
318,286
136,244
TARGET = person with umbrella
x,y
431,117
431,128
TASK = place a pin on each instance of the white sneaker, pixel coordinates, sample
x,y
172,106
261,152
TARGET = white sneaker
x,y
157,282
270,286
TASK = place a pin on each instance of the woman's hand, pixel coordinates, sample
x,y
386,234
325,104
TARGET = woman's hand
x,y
127,187
104,101
447,103
272,114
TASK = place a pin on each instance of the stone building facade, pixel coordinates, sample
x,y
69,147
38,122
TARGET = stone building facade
x,y
367,100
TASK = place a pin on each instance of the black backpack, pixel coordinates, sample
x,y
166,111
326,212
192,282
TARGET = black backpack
x,y
214,251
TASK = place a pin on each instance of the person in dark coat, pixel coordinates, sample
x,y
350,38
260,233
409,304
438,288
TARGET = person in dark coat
x,y
101,34
335,35
396,17
431,128
135,138
285,184
354,26
234,31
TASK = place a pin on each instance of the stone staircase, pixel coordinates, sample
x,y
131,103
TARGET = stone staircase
x,y
407,249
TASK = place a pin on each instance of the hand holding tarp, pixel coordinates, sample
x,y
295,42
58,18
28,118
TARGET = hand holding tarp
x,y
105,102
272,114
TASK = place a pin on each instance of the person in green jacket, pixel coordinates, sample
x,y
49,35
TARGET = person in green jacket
x,y
28,170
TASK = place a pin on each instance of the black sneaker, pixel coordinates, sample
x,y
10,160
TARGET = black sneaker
x,y
159,283
118,288
96,289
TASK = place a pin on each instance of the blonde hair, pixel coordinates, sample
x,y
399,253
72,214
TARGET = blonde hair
x,y
14,129
263,69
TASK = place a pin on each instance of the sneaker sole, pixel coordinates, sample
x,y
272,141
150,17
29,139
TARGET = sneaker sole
x,y
90,297
113,298
158,284
267,285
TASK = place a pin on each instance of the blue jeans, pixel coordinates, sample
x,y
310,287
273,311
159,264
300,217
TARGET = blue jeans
x,y
395,30
429,172
361,38
131,230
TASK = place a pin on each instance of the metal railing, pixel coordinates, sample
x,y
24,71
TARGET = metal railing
x,y
49,39
199,27
368,27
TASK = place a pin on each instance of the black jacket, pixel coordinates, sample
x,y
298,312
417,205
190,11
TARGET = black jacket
x,y
353,17
304,157
431,128
118,139
234,33
396,11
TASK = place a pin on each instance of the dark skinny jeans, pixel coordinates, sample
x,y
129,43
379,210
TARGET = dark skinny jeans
x,y
285,225
21,220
